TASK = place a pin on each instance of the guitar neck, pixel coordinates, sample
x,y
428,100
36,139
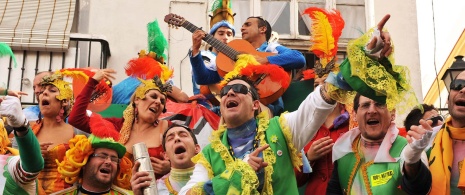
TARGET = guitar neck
x,y
217,44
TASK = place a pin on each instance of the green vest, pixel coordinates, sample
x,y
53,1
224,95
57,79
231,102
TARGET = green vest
x,y
283,177
384,178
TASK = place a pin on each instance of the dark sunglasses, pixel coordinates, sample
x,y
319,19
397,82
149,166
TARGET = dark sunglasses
x,y
457,85
237,88
436,119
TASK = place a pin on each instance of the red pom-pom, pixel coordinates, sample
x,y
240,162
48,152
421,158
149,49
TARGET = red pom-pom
x,y
102,128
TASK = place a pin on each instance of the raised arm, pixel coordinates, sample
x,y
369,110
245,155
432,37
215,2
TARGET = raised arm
x,y
203,75
311,114
78,116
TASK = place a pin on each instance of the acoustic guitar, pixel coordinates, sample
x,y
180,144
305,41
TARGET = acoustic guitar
x,y
269,90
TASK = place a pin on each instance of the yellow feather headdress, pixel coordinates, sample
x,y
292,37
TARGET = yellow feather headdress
x,y
325,32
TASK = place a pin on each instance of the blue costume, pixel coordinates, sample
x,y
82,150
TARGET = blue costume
x,y
287,58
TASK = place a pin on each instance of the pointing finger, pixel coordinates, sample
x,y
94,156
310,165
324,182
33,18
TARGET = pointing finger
x,y
259,149
383,22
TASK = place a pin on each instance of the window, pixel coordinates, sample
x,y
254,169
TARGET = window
x,y
285,16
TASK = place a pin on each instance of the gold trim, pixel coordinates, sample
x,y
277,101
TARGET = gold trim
x,y
433,92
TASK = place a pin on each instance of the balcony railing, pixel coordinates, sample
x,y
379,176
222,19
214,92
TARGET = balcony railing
x,y
84,51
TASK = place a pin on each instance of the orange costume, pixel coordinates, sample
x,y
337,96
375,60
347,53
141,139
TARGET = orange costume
x,y
49,178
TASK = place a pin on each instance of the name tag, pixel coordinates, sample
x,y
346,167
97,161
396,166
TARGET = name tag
x,y
381,178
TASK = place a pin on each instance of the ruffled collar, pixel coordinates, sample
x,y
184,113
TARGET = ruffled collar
x,y
343,145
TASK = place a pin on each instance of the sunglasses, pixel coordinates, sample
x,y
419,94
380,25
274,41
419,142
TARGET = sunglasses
x,y
457,85
436,119
237,88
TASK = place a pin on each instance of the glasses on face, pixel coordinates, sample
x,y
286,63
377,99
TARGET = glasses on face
x,y
366,105
104,157
436,119
237,88
457,85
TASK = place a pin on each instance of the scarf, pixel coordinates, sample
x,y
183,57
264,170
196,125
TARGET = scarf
x,y
441,159
241,138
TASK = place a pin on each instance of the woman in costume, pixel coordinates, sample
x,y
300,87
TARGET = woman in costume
x,y
55,101
140,122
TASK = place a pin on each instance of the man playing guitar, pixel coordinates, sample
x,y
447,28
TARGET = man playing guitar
x,y
257,32
204,65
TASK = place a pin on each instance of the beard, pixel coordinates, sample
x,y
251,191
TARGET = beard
x,y
93,178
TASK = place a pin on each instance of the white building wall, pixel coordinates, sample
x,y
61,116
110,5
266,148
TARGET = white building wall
x,y
440,23
123,23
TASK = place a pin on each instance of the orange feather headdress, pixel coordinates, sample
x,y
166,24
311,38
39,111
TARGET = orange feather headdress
x,y
325,31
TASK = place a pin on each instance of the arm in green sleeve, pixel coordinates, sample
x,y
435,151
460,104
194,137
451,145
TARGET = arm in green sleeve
x,y
29,152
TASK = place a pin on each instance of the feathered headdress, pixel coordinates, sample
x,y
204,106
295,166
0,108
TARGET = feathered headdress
x,y
151,65
102,95
248,66
150,74
325,31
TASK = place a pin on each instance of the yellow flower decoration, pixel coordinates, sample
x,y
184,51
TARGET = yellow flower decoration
x,y
56,79
274,138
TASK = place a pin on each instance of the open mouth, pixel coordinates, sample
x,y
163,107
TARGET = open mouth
x,y
179,150
460,103
372,122
45,103
105,170
231,104
153,110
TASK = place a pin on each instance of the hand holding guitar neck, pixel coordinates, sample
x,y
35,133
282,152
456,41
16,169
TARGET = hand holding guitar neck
x,y
197,38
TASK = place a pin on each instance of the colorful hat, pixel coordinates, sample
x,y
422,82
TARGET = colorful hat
x,y
104,135
56,79
150,67
150,70
222,23
379,80
276,77
223,16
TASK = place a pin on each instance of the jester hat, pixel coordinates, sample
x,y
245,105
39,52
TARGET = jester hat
x,y
223,16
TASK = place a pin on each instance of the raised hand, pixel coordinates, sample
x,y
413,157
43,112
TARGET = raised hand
x,y
197,37
254,161
139,179
379,46
320,148
17,94
108,74
418,138
10,108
